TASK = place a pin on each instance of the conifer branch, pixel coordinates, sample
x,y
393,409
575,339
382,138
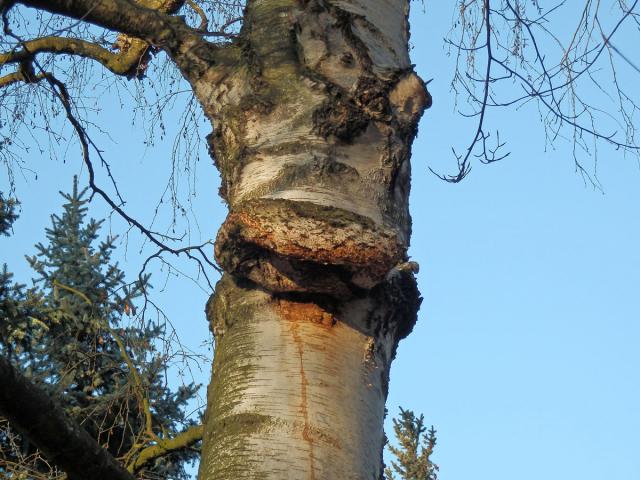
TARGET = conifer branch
x,y
413,454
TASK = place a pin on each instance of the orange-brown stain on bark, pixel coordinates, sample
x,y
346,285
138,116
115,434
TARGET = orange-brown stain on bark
x,y
296,313
303,397
304,312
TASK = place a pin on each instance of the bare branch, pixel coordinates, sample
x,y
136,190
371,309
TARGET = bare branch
x,y
60,90
147,23
181,441
204,22
124,63
463,161
517,48
63,95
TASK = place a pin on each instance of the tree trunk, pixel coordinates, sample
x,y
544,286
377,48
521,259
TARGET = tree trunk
x,y
312,132
314,108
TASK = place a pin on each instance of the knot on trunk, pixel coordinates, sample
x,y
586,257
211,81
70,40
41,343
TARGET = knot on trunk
x,y
409,98
288,246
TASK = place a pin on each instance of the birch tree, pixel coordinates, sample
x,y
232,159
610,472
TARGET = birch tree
x,y
313,106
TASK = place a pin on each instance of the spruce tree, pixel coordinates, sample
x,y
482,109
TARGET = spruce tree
x,y
80,343
8,214
20,308
17,312
415,446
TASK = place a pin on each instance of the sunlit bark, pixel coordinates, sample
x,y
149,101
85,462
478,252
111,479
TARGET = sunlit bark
x,y
312,135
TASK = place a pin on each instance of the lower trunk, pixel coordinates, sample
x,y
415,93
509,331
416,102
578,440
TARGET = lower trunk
x,y
299,387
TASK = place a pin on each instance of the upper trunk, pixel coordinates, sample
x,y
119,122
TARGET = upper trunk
x,y
312,134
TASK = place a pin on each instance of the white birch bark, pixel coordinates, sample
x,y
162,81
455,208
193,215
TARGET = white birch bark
x,y
312,134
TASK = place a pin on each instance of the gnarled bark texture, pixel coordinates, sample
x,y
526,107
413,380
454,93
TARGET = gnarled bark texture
x,y
312,135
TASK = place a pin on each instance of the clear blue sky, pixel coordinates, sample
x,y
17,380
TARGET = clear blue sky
x,y
525,357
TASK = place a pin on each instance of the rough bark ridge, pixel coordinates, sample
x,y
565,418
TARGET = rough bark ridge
x,y
312,135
